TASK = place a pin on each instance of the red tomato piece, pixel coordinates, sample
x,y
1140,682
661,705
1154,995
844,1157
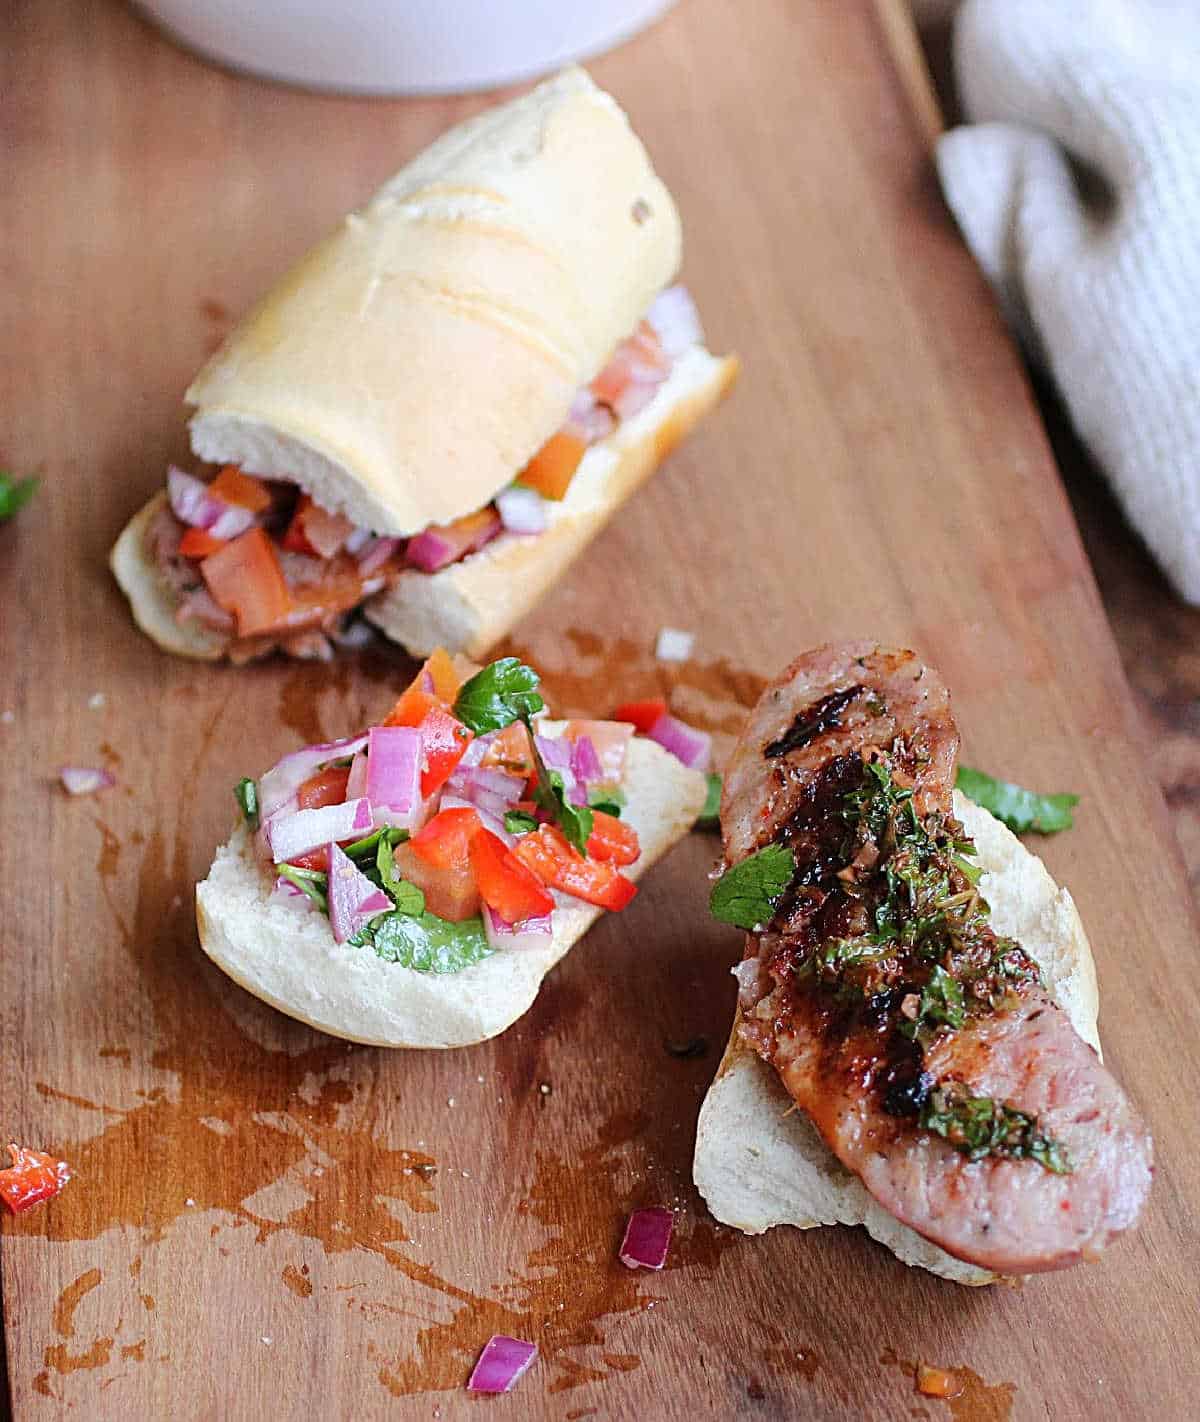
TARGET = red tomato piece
x,y
449,886
314,859
413,706
443,744
505,884
612,840
245,490
642,714
442,675
244,577
552,468
446,840
199,543
326,787
293,539
509,750
556,863
33,1176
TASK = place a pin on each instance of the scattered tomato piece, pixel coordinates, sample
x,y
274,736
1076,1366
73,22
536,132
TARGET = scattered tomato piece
x,y
199,543
444,741
556,863
612,840
326,787
505,884
552,468
642,714
244,577
242,489
937,1382
33,1176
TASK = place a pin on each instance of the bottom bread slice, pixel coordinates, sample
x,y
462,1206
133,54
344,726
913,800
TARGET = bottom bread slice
x,y
760,1162
285,954
471,605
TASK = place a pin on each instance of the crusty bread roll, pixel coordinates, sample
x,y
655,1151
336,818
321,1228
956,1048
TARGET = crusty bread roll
x,y
760,1162
286,954
471,605
412,363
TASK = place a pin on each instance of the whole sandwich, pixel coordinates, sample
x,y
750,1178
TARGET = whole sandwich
x,y
412,885
916,985
437,408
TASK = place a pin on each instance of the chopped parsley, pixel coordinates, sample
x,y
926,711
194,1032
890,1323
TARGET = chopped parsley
x,y
407,897
518,822
980,1126
310,881
548,794
15,493
1021,810
746,894
710,816
424,942
504,692
245,792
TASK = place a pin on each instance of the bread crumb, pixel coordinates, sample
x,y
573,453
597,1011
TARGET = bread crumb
x,y
674,645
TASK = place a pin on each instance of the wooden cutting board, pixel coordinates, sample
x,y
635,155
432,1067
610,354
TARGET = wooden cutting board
x,y
266,1223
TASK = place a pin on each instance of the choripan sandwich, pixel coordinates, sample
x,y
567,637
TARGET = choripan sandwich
x,y
412,886
438,407
915,1044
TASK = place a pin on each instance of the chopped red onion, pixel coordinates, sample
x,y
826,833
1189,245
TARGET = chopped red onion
x,y
505,787
232,520
306,830
358,540
394,767
555,751
647,1238
489,820
285,892
635,397
503,1362
84,779
353,899
431,551
282,781
685,743
611,740
675,320
585,763
517,937
376,554
356,786
192,503
588,419
200,606
521,510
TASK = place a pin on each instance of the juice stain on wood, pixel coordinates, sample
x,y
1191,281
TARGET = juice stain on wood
x,y
970,1399
58,1357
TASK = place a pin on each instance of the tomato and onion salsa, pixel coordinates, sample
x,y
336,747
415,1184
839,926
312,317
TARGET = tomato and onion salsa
x,y
257,560
454,828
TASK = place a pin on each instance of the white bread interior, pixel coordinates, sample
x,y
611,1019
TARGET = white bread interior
x,y
414,360
152,601
759,1163
284,952
471,605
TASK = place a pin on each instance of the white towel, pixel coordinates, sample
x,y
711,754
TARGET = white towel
x,y
1077,186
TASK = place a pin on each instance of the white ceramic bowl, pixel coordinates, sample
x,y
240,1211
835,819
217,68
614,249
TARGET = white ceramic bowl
x,y
400,46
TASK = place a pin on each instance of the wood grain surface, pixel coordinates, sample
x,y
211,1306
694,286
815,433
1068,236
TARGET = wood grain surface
x,y
268,1223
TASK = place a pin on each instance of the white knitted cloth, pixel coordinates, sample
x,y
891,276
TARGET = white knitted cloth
x,y
1101,279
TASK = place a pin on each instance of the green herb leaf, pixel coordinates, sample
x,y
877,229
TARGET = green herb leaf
x,y
980,1126
498,695
424,942
14,493
609,798
518,822
1021,810
311,881
941,1004
746,894
245,792
407,897
575,821
710,815
368,847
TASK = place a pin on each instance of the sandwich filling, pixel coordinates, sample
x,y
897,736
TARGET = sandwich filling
x,y
257,560
454,829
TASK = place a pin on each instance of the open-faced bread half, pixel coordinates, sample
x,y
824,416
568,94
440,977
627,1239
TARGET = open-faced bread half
x,y
760,1162
285,954
414,363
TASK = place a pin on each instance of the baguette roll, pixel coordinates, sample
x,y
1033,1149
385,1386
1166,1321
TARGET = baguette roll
x,y
759,1162
286,954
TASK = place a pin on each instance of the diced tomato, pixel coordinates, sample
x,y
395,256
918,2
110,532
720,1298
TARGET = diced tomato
x,y
443,744
443,675
242,489
446,839
413,706
639,358
199,543
294,539
611,741
642,714
505,884
438,861
33,1176
312,604
245,579
612,840
326,787
552,468
556,863
509,750
315,859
